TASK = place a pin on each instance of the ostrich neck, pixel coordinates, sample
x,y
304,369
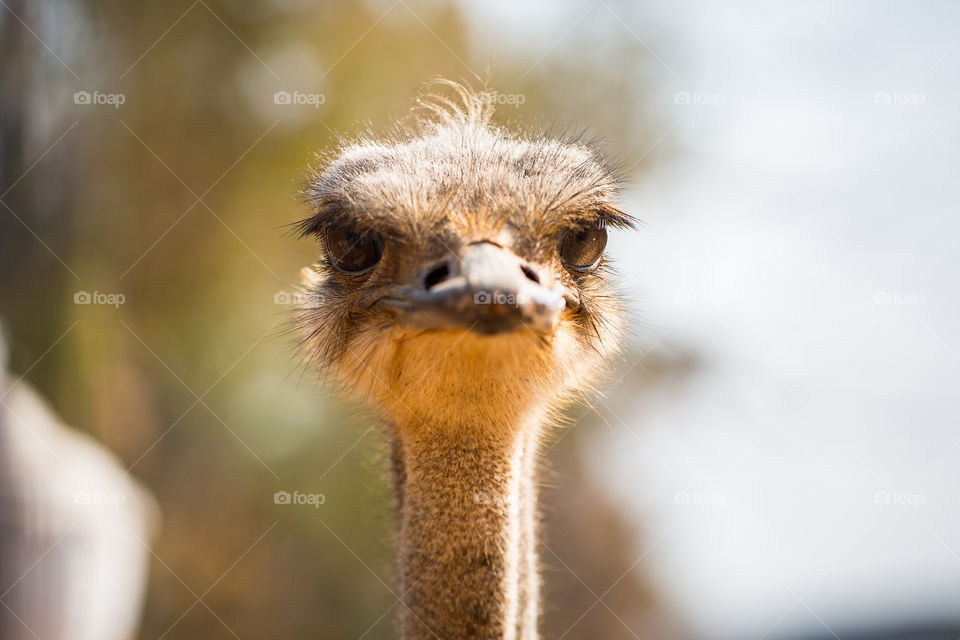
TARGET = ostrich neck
x,y
467,544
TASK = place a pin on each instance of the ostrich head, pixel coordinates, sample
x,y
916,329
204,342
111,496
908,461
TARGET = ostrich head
x,y
463,291
462,282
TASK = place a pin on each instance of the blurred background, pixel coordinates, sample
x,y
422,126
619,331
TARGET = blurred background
x,y
778,455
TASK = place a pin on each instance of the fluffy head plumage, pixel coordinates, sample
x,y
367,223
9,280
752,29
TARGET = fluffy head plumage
x,y
439,181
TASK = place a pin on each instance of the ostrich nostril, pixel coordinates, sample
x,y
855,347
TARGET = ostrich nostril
x,y
530,273
436,275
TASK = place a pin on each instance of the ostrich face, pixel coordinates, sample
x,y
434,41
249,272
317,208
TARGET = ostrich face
x,y
462,277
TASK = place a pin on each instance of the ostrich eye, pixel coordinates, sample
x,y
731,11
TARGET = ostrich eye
x,y
352,250
580,249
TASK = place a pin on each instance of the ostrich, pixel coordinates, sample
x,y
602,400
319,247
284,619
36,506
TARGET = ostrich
x,y
462,292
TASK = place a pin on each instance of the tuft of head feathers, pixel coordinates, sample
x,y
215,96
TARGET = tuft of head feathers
x,y
448,156
445,177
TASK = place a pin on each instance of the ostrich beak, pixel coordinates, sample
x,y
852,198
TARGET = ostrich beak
x,y
486,289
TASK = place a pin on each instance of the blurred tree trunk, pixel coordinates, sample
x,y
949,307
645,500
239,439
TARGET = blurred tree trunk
x,y
38,176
